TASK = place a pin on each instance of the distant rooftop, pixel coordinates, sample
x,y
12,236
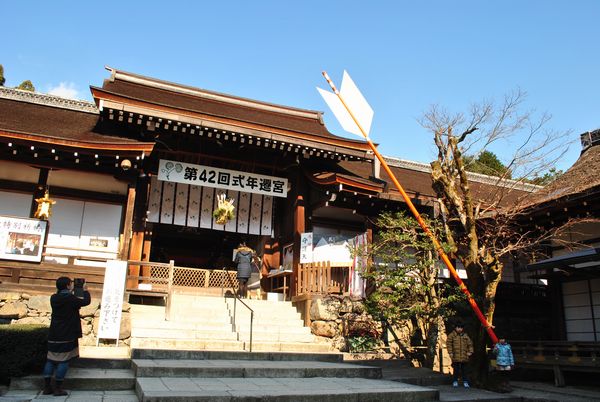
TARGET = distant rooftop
x,y
476,177
48,100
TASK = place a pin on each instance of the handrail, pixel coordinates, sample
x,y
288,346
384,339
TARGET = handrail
x,y
237,297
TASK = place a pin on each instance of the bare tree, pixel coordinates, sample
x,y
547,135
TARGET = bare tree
x,y
483,215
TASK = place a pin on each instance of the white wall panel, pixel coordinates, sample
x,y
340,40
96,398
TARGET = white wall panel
x,y
79,180
15,204
578,313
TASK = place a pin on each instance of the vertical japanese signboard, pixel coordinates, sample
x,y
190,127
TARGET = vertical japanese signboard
x,y
112,300
306,248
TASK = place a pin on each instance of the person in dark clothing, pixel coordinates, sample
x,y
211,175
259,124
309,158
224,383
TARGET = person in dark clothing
x,y
244,257
64,334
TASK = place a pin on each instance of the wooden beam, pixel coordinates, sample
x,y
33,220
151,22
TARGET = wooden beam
x,y
127,226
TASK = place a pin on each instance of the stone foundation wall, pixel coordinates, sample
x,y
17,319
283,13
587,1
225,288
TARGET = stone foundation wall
x,y
22,308
336,317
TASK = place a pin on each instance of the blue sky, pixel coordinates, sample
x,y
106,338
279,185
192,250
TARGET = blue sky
x,y
404,56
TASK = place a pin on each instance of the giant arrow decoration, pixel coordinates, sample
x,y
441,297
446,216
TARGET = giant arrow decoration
x,y
355,115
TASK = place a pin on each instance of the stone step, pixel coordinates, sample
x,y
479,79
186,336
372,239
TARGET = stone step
x,y
269,316
180,333
249,369
186,344
277,336
83,378
233,355
266,346
189,325
280,389
274,329
219,344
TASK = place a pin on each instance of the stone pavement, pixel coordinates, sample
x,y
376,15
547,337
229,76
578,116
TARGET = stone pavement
x,y
74,396
523,391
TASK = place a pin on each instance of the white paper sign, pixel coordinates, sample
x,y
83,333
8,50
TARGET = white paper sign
x,y
208,176
306,248
112,299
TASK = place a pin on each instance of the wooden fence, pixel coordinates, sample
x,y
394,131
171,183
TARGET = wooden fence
x,y
322,278
557,356
158,276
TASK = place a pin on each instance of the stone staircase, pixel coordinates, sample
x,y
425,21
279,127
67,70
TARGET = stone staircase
x,y
206,323
241,376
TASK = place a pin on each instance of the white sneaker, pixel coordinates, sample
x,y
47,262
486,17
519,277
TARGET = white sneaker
x,y
455,384
466,384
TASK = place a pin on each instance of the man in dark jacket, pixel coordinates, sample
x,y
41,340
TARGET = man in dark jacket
x,y
64,334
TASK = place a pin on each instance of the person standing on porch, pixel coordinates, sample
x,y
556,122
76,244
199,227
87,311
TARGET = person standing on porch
x,y
460,349
64,334
244,257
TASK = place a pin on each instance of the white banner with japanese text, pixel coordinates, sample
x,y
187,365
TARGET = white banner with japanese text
x,y
208,176
112,300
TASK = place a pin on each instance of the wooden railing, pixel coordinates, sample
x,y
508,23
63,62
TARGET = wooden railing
x,y
322,278
557,356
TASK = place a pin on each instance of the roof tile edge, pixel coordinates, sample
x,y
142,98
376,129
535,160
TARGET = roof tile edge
x,y
476,177
48,100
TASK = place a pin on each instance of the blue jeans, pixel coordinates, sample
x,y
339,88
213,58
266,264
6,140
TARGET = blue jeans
x,y
61,369
460,371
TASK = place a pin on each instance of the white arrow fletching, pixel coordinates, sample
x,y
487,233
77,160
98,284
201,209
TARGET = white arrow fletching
x,y
356,102
340,112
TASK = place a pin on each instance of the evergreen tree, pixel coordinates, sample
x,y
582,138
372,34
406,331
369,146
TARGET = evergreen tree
x,y
487,163
2,79
26,85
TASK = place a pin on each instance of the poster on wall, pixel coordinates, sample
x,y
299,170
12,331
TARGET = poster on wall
x,y
288,257
22,239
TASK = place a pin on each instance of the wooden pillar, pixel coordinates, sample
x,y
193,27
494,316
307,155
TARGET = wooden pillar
x,y
299,228
127,224
135,253
126,243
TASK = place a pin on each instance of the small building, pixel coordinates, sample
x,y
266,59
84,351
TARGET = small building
x,y
573,266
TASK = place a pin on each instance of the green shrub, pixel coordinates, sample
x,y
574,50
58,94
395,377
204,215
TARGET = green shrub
x,y
360,344
22,350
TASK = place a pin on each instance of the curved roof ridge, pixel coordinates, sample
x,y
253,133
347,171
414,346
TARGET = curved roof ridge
x,y
48,100
219,96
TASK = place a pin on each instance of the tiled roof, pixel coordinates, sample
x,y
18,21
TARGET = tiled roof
x,y
47,118
180,97
579,178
